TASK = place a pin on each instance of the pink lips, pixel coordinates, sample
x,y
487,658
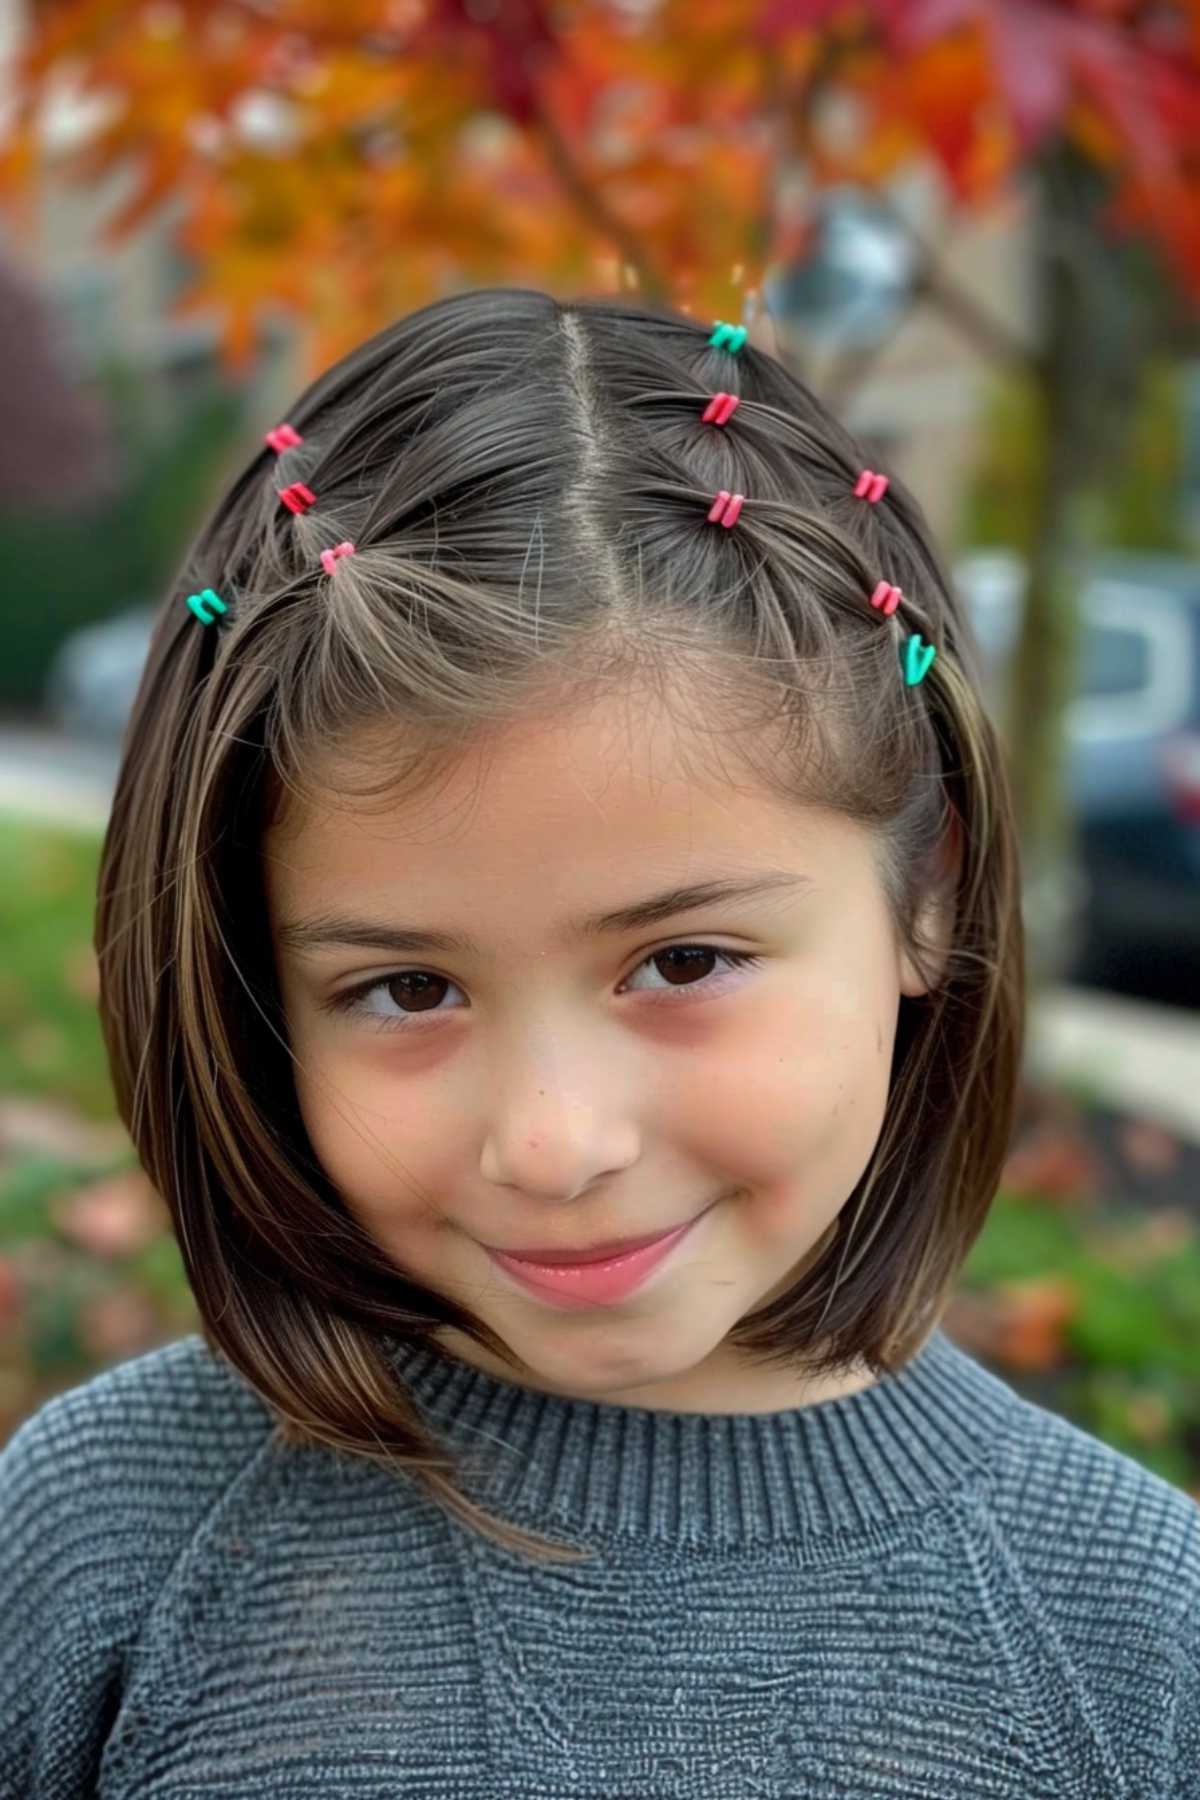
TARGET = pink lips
x,y
592,1283
602,1253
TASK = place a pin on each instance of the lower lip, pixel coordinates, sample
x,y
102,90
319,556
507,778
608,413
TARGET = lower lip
x,y
576,1285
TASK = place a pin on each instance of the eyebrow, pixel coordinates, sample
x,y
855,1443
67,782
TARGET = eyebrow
x,y
304,936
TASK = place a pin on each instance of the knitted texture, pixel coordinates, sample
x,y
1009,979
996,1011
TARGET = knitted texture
x,y
930,1588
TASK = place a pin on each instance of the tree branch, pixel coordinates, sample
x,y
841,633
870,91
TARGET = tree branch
x,y
595,208
932,283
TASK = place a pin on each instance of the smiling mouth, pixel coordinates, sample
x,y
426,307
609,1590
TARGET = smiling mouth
x,y
553,1259
603,1282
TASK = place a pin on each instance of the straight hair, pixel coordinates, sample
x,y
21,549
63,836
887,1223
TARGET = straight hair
x,y
527,484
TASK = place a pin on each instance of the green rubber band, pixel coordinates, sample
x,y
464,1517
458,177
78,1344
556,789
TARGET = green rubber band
x,y
728,337
198,602
918,659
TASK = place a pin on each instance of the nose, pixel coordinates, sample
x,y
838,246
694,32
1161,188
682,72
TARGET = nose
x,y
553,1138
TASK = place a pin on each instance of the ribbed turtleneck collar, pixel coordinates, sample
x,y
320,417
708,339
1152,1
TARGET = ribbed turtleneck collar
x,y
717,1481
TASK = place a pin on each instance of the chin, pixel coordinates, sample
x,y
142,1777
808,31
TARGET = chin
x,y
616,1355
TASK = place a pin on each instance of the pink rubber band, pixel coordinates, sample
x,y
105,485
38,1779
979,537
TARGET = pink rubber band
x,y
870,486
887,597
720,408
329,557
283,437
725,508
297,498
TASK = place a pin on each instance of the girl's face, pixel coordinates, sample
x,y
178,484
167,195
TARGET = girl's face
x,y
549,1074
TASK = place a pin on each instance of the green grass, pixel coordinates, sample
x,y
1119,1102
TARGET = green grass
x,y
50,1041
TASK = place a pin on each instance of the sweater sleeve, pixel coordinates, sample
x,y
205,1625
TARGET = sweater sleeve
x,y
68,1614
1185,1757
100,1491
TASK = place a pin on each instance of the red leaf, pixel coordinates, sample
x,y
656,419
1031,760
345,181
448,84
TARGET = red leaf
x,y
514,45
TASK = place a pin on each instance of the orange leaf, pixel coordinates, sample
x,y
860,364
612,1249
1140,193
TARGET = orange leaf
x,y
1034,1317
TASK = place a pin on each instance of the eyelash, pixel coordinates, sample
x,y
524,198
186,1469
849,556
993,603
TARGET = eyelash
x,y
352,1000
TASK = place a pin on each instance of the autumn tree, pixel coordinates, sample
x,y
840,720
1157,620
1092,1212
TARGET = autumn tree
x,y
348,163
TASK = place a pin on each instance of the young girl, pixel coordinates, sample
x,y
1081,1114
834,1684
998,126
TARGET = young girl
x,y
561,962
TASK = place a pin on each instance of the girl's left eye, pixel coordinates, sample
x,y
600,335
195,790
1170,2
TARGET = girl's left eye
x,y
681,959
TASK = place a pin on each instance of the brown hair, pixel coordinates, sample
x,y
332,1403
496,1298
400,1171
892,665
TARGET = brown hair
x,y
527,482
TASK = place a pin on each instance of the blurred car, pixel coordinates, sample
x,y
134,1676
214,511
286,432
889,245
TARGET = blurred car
x,y
1133,755
92,680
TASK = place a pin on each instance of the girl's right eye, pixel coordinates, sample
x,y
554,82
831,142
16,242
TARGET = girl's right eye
x,y
425,989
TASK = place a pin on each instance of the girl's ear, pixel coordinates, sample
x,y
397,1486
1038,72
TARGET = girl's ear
x,y
935,922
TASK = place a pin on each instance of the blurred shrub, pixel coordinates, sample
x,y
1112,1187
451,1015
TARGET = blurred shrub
x,y
67,569
1092,1313
90,1274
89,1271
50,1040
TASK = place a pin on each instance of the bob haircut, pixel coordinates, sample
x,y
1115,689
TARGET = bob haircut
x,y
527,482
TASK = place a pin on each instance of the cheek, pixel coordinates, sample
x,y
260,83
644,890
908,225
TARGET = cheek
x,y
794,1101
375,1139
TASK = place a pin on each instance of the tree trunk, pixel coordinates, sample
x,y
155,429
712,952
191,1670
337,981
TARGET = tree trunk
x,y
1091,352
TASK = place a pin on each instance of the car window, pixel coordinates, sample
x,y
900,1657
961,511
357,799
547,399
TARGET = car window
x,y
1114,660
1136,663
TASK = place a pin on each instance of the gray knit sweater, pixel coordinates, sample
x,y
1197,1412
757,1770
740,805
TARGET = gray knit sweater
x,y
927,1589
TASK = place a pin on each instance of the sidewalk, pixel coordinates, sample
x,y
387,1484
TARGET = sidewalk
x,y
44,776
1134,1056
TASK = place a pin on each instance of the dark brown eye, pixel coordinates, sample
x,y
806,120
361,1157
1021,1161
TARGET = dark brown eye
x,y
416,989
683,962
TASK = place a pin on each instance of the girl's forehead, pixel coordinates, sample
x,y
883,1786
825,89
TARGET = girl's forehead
x,y
607,758
595,772
568,821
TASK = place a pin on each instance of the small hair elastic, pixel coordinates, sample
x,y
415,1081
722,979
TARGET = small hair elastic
x,y
887,597
297,498
200,602
728,337
329,557
725,508
720,408
870,486
283,437
918,659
